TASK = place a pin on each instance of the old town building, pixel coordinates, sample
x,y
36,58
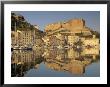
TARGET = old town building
x,y
69,33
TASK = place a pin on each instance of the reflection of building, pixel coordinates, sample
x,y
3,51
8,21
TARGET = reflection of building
x,y
23,56
72,54
56,59
69,60
75,67
22,61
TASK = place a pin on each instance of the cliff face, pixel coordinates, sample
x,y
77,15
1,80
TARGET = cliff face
x,y
71,25
74,24
51,27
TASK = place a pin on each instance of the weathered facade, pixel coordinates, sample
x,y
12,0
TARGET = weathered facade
x,y
70,32
23,38
73,26
27,38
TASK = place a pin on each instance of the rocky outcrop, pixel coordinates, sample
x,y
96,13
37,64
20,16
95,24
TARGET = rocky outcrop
x,y
73,25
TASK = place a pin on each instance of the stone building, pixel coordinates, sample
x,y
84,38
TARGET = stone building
x,y
72,39
23,38
93,42
73,25
67,32
26,38
14,38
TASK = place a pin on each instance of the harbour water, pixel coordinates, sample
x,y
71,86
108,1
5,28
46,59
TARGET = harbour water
x,y
55,63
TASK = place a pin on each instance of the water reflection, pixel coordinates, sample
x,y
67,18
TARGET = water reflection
x,y
60,60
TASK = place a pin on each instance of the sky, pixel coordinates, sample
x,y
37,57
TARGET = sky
x,y
42,18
